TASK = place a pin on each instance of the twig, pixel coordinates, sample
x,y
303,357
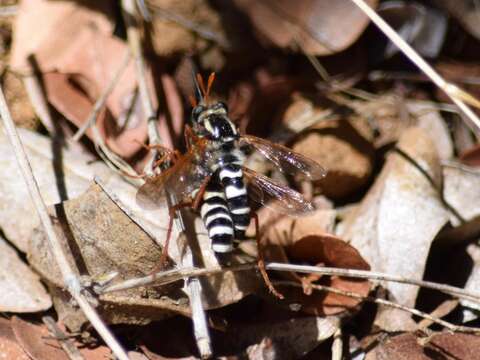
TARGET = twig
x,y
337,345
70,279
92,117
166,277
194,289
452,91
37,98
67,344
133,36
442,310
383,302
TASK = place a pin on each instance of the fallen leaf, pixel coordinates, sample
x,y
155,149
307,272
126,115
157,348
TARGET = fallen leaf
x,y
463,11
320,250
320,27
421,26
75,78
36,341
343,151
287,339
60,173
401,347
171,36
400,216
22,291
104,239
9,347
471,157
447,346
53,32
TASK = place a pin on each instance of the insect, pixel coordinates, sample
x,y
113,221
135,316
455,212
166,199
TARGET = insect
x,y
213,176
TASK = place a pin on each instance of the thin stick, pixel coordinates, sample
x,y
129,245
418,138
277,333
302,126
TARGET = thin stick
x,y
337,345
37,98
66,343
166,277
419,313
92,117
194,289
133,35
452,91
70,279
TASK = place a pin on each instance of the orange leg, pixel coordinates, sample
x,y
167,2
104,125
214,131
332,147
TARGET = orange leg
x,y
261,260
171,213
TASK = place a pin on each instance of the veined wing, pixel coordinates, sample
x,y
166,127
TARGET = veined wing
x,y
185,176
275,195
287,160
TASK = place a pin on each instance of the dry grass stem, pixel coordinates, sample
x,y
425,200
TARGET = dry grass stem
x,y
457,95
92,117
446,324
194,289
337,345
70,279
67,344
167,277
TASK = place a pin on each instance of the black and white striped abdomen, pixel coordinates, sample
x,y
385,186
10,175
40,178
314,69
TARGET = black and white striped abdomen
x,y
216,217
231,177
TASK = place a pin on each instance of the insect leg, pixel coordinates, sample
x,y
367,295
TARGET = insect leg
x,y
171,214
261,260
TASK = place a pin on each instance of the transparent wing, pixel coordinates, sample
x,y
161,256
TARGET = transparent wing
x,y
275,195
185,176
287,160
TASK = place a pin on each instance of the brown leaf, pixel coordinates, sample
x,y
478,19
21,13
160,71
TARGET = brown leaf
x,y
21,288
36,341
104,239
400,216
343,151
9,347
401,347
56,24
321,250
445,346
471,157
75,78
321,27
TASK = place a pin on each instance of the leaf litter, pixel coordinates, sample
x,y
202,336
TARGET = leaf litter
x,y
400,185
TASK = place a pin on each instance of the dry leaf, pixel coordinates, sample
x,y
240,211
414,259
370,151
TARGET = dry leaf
x,y
75,78
321,27
60,174
400,216
462,191
286,338
171,36
22,291
422,27
320,250
445,346
104,239
9,347
36,341
55,23
471,157
343,151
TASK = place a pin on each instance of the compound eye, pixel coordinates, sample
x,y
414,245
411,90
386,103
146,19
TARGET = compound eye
x,y
222,105
197,110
